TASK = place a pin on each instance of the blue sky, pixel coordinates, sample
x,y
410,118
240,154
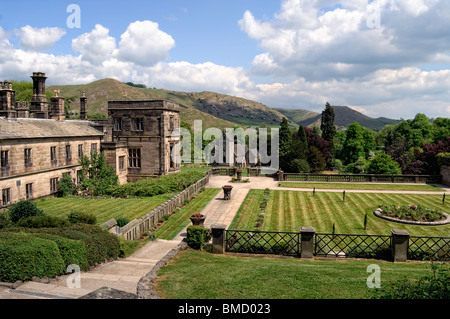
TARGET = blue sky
x,y
381,57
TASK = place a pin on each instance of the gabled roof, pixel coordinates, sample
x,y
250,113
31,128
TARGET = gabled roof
x,y
40,128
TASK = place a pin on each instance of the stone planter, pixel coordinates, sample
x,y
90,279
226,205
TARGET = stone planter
x,y
239,175
227,192
197,220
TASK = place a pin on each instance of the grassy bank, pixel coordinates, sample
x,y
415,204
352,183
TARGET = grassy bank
x,y
201,275
103,208
177,222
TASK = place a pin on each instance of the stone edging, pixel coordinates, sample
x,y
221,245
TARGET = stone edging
x,y
145,285
378,213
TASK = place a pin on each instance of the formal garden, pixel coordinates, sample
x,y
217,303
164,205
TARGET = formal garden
x,y
65,229
262,275
43,237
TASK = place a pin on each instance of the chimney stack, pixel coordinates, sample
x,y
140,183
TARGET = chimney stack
x,y
57,107
39,104
83,107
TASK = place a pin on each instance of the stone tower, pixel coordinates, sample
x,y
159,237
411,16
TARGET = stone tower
x,y
39,104
83,107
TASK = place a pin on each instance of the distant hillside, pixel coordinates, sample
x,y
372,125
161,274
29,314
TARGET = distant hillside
x,y
344,116
215,110
298,115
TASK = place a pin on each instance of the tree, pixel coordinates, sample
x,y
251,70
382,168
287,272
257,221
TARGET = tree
x,y
441,129
315,140
383,164
353,147
97,176
66,186
327,126
300,166
316,160
299,144
24,91
285,145
369,141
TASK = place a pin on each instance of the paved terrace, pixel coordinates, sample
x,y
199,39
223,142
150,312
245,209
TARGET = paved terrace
x,y
124,274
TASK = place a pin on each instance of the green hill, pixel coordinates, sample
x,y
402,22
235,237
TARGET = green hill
x,y
215,110
344,116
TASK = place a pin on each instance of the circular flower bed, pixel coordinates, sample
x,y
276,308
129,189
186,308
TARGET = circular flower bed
x,y
412,214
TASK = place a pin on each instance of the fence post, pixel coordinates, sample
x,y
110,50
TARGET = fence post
x,y
307,241
218,238
399,245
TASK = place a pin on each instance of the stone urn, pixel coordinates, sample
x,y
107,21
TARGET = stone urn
x,y
227,192
198,219
239,175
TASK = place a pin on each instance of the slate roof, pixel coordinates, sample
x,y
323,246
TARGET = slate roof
x,y
39,128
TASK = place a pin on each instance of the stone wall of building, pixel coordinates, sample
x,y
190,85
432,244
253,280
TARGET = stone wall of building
x,y
41,150
41,170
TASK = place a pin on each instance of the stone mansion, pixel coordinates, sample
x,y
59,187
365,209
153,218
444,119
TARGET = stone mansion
x,y
39,146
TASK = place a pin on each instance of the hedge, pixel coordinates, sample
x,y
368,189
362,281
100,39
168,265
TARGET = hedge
x,y
23,256
97,244
157,186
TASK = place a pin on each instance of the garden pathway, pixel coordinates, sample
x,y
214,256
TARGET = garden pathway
x,y
124,274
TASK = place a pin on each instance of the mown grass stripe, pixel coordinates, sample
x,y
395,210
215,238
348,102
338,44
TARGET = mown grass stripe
x,y
290,210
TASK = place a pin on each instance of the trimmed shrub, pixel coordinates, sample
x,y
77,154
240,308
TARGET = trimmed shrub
x,y
72,251
80,217
156,186
23,256
4,220
23,209
197,236
122,221
100,244
42,222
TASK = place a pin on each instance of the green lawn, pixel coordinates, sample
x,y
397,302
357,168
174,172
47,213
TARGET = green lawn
x,y
177,222
200,275
362,186
290,210
103,208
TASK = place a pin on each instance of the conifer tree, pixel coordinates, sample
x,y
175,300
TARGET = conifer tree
x,y
327,126
285,145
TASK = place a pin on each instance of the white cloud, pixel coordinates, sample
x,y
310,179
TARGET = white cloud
x,y
304,38
38,39
145,44
312,52
95,46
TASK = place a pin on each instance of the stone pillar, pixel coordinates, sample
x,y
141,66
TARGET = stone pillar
x,y
307,241
280,176
399,245
218,238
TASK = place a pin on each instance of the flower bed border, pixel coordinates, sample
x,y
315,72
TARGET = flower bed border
x,y
379,213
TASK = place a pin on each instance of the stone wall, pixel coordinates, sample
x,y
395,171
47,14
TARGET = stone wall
x,y
136,227
445,172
